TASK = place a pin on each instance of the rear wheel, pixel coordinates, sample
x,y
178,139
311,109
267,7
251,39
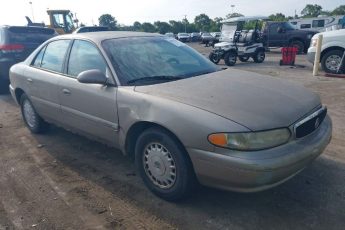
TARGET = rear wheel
x,y
331,61
243,59
32,120
259,56
164,165
230,58
299,45
214,58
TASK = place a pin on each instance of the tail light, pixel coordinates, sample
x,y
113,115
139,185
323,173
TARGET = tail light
x,y
11,48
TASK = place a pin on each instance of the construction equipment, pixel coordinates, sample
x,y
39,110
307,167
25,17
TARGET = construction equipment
x,y
62,21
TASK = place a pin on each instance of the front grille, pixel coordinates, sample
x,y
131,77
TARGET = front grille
x,y
310,123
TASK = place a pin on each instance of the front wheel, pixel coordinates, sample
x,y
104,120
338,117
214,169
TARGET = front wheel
x,y
259,56
331,61
164,165
32,120
214,58
230,58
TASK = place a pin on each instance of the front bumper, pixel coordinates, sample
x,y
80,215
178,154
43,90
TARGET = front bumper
x,y
229,171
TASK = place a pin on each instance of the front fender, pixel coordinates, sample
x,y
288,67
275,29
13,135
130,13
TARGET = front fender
x,y
191,125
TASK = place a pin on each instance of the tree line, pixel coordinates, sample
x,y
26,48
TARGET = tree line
x,y
203,23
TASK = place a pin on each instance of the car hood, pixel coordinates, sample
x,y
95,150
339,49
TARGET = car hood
x,y
255,101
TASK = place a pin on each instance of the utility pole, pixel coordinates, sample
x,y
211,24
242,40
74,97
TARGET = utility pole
x,y
32,11
232,8
185,23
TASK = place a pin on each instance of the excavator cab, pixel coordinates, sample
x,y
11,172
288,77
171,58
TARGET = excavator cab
x,y
62,21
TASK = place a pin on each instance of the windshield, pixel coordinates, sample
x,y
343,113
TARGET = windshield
x,y
228,31
145,57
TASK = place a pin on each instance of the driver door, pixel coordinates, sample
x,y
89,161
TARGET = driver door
x,y
88,108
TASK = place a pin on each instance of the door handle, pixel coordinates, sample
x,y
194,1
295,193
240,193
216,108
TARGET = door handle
x,y
66,91
29,80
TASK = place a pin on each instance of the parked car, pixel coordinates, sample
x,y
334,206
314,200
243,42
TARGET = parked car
x,y
195,37
207,38
16,44
216,36
87,29
280,34
183,37
332,50
170,35
181,118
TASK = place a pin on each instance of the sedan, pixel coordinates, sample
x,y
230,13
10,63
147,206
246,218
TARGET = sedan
x,y
182,119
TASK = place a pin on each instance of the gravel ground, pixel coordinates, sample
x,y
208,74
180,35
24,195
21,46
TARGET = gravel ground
x,y
64,181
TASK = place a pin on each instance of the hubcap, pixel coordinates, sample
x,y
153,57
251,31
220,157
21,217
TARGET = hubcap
x,y
29,114
232,58
159,165
333,62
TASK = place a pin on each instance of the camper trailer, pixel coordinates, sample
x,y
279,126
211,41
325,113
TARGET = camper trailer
x,y
321,23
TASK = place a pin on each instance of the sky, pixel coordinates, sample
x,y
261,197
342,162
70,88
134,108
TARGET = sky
x,y
126,12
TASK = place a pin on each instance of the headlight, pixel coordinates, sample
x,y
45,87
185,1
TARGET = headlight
x,y
250,140
313,42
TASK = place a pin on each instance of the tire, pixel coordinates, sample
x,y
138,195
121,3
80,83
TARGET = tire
x,y
31,119
243,59
230,58
331,60
299,45
214,58
259,56
173,177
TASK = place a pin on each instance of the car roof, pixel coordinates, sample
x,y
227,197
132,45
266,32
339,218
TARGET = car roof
x,y
105,35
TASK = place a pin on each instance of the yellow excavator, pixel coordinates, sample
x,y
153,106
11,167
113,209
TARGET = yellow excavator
x,y
61,20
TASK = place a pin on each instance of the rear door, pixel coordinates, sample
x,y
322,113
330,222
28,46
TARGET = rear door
x,y
42,78
89,108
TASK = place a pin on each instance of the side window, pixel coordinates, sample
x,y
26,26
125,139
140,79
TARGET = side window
x,y
38,60
274,28
305,26
318,23
54,55
85,56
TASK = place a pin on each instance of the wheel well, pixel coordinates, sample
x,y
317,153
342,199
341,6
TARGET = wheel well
x,y
330,49
18,92
139,127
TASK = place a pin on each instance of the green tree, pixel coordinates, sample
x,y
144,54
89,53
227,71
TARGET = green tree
x,y
233,15
137,26
202,22
278,17
148,27
162,27
340,10
216,24
108,20
176,26
310,11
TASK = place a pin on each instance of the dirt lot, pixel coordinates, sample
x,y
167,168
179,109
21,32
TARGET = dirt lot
x,y
64,181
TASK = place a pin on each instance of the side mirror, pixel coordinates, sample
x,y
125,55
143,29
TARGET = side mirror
x,y
93,76
280,30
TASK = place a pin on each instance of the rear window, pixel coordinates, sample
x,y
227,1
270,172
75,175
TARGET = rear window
x,y
29,34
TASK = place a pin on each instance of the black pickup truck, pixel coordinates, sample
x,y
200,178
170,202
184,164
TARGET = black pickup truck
x,y
280,34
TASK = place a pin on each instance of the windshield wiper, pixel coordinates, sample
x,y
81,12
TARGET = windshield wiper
x,y
155,78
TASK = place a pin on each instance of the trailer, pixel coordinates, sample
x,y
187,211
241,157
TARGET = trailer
x,y
321,23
